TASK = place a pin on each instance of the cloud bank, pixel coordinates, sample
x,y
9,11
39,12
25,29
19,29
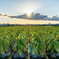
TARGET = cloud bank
x,y
36,16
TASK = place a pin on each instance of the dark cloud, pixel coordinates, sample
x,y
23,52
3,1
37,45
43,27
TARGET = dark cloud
x,y
20,16
0,14
4,15
54,18
36,16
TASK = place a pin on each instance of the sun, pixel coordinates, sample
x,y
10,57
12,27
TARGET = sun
x,y
28,12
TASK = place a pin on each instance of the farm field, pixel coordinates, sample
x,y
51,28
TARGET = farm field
x,y
43,42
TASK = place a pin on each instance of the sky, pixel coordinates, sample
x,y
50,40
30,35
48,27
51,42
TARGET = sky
x,y
21,7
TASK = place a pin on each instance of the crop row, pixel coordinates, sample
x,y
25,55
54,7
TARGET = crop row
x,y
44,40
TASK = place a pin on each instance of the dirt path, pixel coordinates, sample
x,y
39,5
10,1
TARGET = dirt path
x,y
28,46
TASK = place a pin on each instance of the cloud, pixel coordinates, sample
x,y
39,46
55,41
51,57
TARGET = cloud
x,y
36,16
4,15
54,18
20,16
1,14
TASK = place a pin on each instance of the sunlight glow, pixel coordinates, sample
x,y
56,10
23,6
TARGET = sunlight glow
x,y
28,7
28,12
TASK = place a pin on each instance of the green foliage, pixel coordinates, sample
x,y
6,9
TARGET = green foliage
x,y
42,38
20,44
13,35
